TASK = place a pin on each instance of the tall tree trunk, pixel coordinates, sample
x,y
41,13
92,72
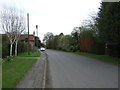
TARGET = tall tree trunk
x,y
16,43
11,46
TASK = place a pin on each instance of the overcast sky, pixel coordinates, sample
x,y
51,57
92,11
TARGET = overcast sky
x,y
55,16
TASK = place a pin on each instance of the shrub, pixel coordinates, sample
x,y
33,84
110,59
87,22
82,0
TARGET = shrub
x,y
98,48
22,47
5,46
10,58
113,50
5,50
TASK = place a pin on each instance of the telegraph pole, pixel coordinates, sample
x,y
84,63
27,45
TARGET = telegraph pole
x,y
28,32
37,34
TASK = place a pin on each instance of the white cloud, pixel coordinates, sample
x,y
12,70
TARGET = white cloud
x,y
57,15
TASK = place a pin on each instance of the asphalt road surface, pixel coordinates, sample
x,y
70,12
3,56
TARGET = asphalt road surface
x,y
68,70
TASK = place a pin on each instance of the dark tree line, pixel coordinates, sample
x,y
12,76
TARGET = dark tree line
x,y
108,24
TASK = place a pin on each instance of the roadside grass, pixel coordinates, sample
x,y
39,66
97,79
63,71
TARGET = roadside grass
x,y
105,58
32,54
13,71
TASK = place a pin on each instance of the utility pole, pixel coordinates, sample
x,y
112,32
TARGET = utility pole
x,y
37,34
28,32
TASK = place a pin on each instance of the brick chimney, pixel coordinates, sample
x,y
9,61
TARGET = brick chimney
x,y
34,33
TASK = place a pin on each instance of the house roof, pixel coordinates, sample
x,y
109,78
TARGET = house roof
x,y
23,36
31,37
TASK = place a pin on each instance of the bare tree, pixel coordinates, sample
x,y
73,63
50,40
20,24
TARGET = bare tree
x,y
19,29
13,25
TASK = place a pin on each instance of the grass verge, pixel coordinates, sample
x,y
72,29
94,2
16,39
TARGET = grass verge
x,y
105,58
32,54
13,71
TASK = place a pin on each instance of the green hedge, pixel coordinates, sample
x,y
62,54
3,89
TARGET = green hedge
x,y
22,47
114,50
5,46
5,50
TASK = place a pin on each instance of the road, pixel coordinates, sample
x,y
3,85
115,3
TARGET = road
x,y
68,70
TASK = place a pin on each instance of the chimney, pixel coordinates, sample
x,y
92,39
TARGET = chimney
x,y
34,33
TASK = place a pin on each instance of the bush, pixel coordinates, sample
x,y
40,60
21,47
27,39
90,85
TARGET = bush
x,y
98,48
10,58
1,60
5,49
113,50
22,47
5,46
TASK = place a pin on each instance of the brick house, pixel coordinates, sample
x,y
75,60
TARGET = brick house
x,y
25,36
31,38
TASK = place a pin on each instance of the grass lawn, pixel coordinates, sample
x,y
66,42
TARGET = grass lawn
x,y
32,54
13,71
104,58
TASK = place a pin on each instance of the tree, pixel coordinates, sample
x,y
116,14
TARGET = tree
x,y
66,43
87,30
108,24
37,42
75,38
13,24
20,27
61,34
47,37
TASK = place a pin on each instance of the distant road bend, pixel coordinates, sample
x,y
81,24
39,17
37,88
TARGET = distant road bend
x,y
68,70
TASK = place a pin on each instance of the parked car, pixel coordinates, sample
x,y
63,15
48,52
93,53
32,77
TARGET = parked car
x,y
42,49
